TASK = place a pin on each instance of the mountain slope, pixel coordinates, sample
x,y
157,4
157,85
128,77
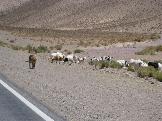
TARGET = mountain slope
x,y
111,15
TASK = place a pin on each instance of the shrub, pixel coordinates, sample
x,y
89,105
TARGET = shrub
x,y
41,49
93,62
138,39
103,64
58,47
51,47
14,47
78,51
146,72
158,76
81,43
67,51
145,52
97,45
29,48
2,44
106,64
84,43
143,72
114,64
34,49
159,48
23,48
155,36
150,50
131,68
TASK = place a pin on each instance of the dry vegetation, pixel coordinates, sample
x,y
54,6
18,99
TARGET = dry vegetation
x,y
151,50
146,72
143,72
82,38
78,51
105,64
58,47
29,48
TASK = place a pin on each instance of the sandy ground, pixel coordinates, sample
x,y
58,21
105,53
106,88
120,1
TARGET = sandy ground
x,y
80,93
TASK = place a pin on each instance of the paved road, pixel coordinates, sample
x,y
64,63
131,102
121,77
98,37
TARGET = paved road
x,y
12,109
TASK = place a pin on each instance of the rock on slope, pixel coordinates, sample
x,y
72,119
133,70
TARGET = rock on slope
x,y
111,15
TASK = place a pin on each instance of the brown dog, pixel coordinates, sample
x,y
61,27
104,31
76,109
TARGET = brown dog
x,y
32,60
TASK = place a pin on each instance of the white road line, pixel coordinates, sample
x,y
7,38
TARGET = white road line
x,y
26,102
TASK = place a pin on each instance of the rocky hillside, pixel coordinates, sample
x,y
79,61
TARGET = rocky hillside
x,y
108,15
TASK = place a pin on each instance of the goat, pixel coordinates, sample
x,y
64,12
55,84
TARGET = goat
x,y
58,56
32,60
136,62
81,59
156,65
123,63
143,64
71,58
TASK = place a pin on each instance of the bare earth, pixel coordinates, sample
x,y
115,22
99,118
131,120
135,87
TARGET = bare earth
x,y
80,93
109,15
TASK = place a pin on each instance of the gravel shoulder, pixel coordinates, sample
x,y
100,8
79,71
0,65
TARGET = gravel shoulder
x,y
80,93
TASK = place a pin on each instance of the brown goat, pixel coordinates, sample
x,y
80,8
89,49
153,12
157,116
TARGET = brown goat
x,y
56,58
32,60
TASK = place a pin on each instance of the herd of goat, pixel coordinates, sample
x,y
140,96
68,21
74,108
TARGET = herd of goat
x,y
59,57
125,63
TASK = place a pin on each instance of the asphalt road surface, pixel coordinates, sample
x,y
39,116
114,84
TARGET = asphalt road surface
x,y
12,109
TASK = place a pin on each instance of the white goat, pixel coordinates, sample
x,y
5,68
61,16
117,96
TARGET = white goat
x,y
144,64
94,59
58,56
82,59
138,62
71,58
160,66
102,58
123,63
